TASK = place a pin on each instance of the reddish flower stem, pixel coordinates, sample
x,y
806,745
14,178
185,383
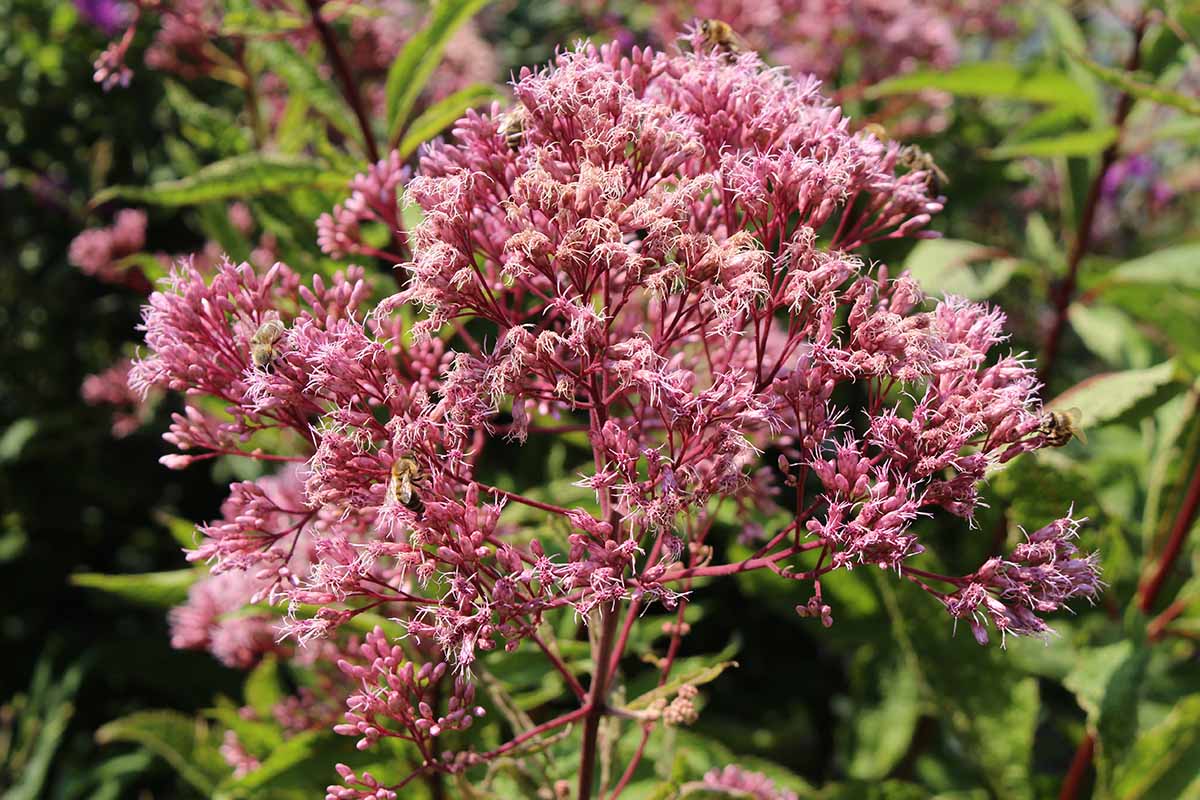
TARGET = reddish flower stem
x,y
342,70
1170,554
738,566
557,722
596,701
1083,236
571,680
1062,302
1079,768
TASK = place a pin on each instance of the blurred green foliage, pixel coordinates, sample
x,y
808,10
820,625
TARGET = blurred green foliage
x,y
888,703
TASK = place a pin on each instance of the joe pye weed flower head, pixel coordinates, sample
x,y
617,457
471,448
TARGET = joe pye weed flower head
x,y
661,252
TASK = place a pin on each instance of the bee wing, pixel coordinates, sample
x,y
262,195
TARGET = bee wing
x,y
1075,416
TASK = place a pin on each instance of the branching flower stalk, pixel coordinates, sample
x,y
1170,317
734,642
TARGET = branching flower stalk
x,y
660,251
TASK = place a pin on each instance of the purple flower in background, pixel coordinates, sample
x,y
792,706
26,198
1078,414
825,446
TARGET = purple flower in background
x,y
107,15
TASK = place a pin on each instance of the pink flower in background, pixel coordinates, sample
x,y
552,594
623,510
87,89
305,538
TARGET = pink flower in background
x,y
822,37
738,782
98,251
111,388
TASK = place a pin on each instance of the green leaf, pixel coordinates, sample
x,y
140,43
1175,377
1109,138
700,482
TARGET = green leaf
x,y
303,79
1106,397
1177,267
264,687
992,79
443,113
882,731
695,678
1107,683
1165,760
293,753
872,790
204,126
994,726
1133,85
944,266
187,744
1075,143
51,704
420,56
255,23
239,177
1111,334
149,588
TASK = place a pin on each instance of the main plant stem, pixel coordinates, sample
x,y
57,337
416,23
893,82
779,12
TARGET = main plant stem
x,y
596,703
1083,235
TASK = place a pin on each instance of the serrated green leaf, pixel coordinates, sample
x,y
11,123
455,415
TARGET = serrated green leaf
x,y
1177,267
1106,683
882,731
1075,143
1133,85
1111,334
1165,760
999,79
695,678
255,22
956,267
303,79
420,56
1104,398
240,177
994,726
187,744
872,790
443,113
149,588
293,753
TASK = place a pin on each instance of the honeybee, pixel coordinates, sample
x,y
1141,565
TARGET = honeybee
x,y
262,344
876,130
914,158
512,127
720,36
405,474
1059,427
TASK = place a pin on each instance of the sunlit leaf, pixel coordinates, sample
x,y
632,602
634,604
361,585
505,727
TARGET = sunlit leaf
x,y
697,677
1133,84
1107,682
420,56
992,79
955,267
187,744
1173,266
443,113
1106,397
239,177
1165,760
149,588
1076,143
303,79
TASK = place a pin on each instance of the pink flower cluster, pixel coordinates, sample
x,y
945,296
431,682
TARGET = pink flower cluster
x,y
99,251
660,253
189,42
881,38
111,388
738,782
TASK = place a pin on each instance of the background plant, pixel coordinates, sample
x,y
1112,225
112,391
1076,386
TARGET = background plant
x,y
1025,147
